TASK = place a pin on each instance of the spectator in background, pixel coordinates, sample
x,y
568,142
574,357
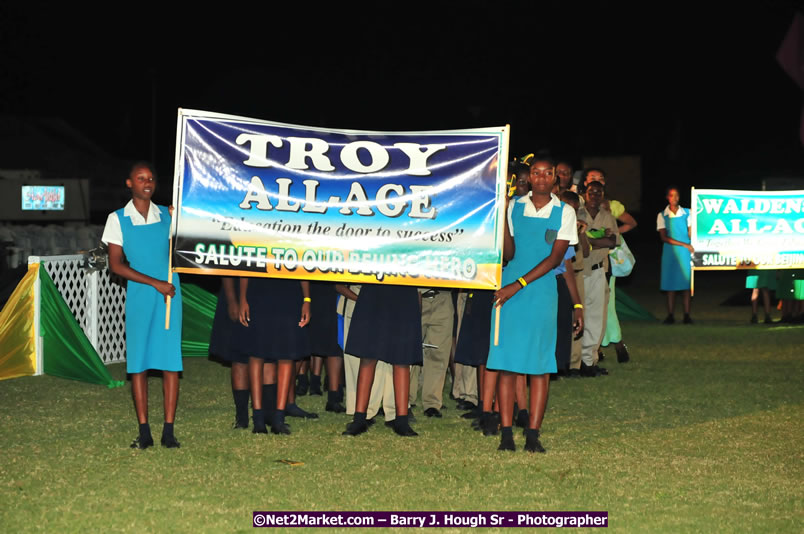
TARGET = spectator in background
x,y
673,225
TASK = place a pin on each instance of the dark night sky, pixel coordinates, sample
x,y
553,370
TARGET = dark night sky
x,y
696,93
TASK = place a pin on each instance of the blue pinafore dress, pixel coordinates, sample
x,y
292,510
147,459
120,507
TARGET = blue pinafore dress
x,y
676,268
148,344
528,319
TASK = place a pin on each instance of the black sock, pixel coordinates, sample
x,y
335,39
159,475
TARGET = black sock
x,y
507,432
269,400
259,419
340,392
532,433
360,417
315,380
401,421
241,405
167,430
145,431
332,397
279,417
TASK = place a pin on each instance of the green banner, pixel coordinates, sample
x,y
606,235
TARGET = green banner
x,y
747,229
198,310
67,351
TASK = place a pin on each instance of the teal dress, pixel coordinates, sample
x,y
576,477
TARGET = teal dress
x,y
676,270
148,344
528,319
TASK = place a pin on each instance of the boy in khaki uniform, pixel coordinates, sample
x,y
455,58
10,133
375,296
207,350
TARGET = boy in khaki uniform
x,y
437,317
595,285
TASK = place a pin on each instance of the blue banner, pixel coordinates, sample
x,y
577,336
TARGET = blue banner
x,y
258,198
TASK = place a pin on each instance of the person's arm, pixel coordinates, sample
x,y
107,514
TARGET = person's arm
x,y
569,277
231,299
629,223
667,239
305,314
344,290
583,241
120,268
543,267
508,240
609,241
245,316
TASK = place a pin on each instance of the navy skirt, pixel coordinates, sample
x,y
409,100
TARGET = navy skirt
x,y
225,341
324,321
386,325
473,339
275,310
566,313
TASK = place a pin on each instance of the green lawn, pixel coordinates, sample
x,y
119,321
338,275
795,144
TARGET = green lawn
x,y
701,432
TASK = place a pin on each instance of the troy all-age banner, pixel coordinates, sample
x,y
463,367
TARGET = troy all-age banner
x,y
747,229
258,198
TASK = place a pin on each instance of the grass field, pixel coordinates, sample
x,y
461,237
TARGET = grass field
x,y
701,432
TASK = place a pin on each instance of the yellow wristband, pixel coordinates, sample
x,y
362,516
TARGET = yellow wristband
x,y
307,299
522,281
578,306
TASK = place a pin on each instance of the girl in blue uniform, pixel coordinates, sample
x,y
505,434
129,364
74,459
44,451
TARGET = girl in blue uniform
x,y
673,225
141,231
538,230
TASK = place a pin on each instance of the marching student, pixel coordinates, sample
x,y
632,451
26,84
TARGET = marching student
x,y
141,231
225,343
602,236
386,325
280,309
538,230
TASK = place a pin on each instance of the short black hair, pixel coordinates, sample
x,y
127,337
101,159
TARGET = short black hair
x,y
570,196
141,163
596,183
592,169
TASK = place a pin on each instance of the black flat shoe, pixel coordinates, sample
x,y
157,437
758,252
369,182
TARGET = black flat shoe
x,y
170,442
492,426
669,320
622,353
302,385
473,414
355,429
432,412
239,425
405,431
507,444
259,429
292,410
687,319
532,443
280,428
142,444
335,407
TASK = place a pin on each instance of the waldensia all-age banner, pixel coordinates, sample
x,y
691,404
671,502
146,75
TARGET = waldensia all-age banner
x,y
258,198
747,229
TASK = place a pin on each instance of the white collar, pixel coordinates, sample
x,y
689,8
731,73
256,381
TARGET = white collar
x,y
681,211
153,212
554,200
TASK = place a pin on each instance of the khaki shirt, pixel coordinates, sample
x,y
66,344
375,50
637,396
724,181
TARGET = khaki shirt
x,y
604,219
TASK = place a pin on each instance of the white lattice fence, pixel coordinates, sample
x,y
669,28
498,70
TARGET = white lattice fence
x,y
96,299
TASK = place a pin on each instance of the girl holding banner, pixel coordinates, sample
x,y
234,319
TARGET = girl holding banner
x,y
673,225
141,230
538,230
